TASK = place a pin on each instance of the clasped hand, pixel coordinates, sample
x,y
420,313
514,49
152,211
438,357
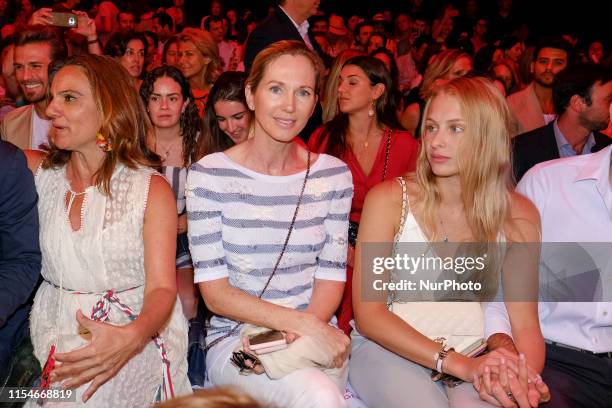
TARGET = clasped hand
x,y
111,347
505,380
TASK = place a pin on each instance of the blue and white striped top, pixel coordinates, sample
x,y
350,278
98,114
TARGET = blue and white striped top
x,y
239,219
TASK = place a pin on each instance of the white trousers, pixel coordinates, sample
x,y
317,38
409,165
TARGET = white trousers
x,y
304,388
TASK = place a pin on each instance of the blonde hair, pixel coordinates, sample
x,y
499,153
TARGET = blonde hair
x,y
439,68
483,160
207,46
213,398
330,93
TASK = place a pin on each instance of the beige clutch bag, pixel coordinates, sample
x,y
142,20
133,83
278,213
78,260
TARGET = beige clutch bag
x,y
457,324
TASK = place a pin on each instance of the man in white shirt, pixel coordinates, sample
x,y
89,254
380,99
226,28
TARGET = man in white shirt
x,y
35,49
574,197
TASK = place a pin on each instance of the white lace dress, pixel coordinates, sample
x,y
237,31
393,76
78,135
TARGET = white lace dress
x,y
106,253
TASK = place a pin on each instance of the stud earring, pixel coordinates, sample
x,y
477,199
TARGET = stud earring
x,y
103,143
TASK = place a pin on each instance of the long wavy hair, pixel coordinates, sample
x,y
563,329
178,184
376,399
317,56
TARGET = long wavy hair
x,y
125,122
228,87
330,91
336,129
483,159
205,44
189,120
440,68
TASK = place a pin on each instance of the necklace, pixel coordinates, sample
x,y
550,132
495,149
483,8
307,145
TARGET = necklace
x,y
445,238
163,151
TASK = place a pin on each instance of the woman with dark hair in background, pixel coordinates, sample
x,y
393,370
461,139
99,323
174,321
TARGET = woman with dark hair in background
x,y
130,49
227,119
366,135
167,96
170,55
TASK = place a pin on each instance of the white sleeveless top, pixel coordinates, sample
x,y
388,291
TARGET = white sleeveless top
x,y
461,323
106,253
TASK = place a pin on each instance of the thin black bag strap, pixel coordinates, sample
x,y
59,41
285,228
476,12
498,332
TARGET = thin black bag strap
x,y
280,256
387,149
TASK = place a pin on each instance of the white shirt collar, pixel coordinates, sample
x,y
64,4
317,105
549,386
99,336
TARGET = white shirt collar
x,y
302,28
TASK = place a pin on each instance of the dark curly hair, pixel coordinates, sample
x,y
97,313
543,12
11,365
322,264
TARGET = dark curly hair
x,y
189,121
228,87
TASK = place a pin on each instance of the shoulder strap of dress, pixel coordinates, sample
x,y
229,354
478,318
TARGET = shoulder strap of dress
x,y
405,203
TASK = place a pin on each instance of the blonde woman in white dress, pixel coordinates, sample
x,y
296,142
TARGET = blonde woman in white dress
x,y
461,193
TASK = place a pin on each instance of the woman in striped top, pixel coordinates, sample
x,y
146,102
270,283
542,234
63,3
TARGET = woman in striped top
x,y
167,96
241,203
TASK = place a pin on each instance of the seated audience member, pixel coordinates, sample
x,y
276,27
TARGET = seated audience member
x,y
338,36
486,57
259,214
36,47
163,26
130,49
199,62
513,49
363,31
177,13
125,21
10,91
581,95
227,119
387,58
376,40
229,52
170,54
445,66
106,320
366,135
153,56
329,99
533,106
572,195
167,96
595,52
106,20
459,194
504,72
404,34
19,252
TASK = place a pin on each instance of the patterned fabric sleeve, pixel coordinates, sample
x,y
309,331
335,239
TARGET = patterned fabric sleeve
x,y
332,259
204,220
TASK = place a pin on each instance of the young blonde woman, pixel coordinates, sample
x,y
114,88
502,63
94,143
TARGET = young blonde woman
x,y
461,192
268,222
198,60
